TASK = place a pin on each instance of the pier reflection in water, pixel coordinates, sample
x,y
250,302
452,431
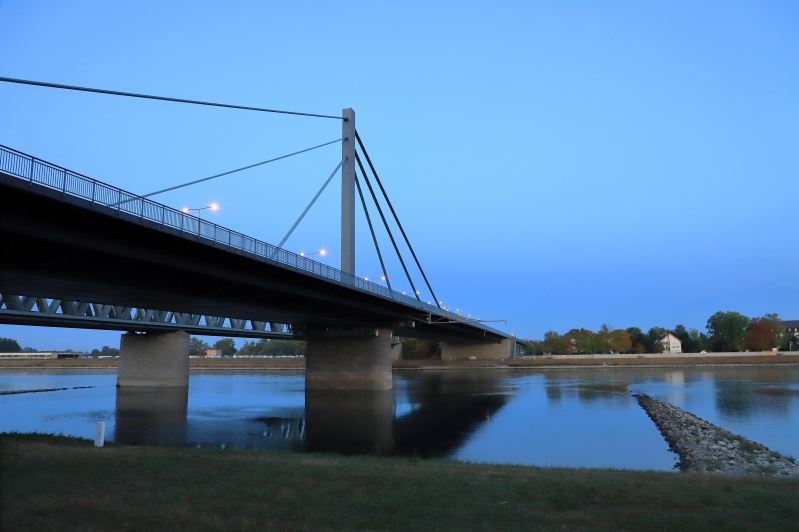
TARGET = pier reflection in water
x,y
435,417
151,416
569,417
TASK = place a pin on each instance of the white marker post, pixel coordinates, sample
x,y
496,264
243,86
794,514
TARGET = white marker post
x,y
99,434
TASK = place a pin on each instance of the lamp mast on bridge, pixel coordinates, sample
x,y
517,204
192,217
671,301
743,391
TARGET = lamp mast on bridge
x,y
348,192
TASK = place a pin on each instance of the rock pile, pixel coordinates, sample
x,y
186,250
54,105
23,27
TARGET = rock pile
x,y
703,446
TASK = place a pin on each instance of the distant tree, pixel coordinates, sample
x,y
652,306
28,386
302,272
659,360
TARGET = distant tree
x,y
551,341
255,348
105,352
421,350
414,348
759,335
265,347
536,347
197,347
639,349
293,348
8,345
727,331
702,340
530,347
685,337
781,336
620,341
697,342
566,346
637,338
652,335
584,341
603,339
692,340
227,346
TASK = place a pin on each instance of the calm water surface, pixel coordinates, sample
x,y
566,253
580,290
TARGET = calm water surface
x,y
582,417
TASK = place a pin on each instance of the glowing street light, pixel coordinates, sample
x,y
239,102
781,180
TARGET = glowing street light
x,y
213,207
322,252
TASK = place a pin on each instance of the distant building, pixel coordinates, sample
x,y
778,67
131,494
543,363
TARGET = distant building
x,y
40,355
213,353
792,328
670,343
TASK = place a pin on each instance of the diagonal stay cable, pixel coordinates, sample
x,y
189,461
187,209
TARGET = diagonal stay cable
x,y
308,208
231,171
385,223
388,201
371,230
163,98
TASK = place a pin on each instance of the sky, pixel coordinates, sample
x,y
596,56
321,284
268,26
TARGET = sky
x,y
555,164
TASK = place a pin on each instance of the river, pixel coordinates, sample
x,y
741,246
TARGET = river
x,y
554,417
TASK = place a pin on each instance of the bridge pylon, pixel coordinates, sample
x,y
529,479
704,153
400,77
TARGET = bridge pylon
x,y
348,192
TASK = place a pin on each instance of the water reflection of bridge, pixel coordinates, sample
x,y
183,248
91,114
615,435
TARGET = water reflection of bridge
x,y
432,418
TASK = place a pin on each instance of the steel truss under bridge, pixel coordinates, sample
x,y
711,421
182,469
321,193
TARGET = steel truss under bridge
x,y
28,310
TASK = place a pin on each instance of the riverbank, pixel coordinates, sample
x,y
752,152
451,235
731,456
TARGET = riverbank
x,y
705,447
59,483
241,363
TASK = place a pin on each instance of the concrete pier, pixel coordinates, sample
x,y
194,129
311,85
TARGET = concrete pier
x,y
357,361
462,351
153,359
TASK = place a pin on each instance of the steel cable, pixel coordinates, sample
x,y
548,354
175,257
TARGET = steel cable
x,y
371,230
385,223
396,218
163,98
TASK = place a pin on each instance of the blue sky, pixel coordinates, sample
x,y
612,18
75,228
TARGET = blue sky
x,y
555,164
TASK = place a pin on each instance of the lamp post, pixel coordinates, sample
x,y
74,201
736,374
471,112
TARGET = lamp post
x,y
213,207
322,252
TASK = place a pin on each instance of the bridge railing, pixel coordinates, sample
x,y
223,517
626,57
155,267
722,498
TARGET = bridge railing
x,y
34,170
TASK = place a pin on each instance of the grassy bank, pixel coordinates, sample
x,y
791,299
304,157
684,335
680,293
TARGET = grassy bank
x,y
57,483
299,363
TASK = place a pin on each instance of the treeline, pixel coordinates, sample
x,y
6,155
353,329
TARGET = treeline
x,y
262,347
725,332
9,345
105,352
413,348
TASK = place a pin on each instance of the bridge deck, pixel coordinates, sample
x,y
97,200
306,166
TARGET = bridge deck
x,y
70,237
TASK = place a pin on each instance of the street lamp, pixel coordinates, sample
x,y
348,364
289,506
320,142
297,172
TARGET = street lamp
x,y
322,252
375,278
213,207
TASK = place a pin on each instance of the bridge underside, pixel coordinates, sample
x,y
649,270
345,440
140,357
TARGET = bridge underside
x,y
62,247
68,262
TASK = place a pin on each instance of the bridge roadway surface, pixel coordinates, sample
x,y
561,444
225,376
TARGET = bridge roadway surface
x,y
72,246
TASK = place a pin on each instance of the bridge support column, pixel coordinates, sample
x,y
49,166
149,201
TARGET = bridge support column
x,y
458,351
348,192
349,362
153,359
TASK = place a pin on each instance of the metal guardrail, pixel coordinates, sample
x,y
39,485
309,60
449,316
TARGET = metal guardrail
x,y
33,170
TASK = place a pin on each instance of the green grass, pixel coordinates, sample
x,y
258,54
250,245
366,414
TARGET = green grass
x,y
59,483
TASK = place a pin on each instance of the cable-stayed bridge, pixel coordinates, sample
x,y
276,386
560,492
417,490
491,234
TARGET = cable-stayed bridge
x,y
82,253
